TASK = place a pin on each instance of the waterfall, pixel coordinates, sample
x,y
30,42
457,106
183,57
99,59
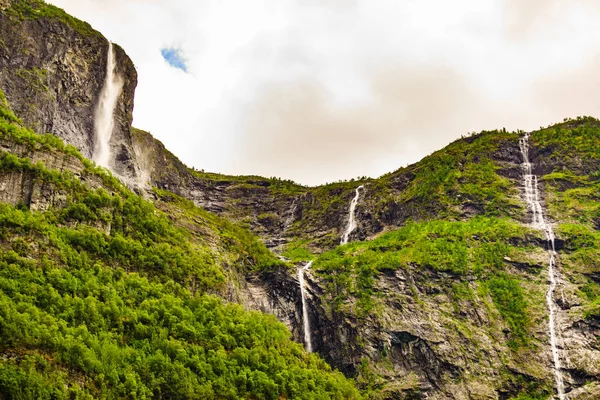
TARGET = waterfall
x,y
351,219
532,197
290,219
305,319
104,116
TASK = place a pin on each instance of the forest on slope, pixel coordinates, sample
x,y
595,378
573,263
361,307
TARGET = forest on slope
x,y
103,296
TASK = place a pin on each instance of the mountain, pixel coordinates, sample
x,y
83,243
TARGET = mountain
x,y
103,293
471,274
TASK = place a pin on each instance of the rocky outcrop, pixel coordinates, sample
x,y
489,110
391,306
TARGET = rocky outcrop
x,y
277,293
420,346
257,202
28,186
52,69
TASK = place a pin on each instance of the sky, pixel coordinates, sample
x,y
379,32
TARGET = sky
x,y
322,90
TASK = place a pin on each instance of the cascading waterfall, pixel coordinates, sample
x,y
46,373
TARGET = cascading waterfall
x,y
104,116
532,197
290,219
305,319
351,218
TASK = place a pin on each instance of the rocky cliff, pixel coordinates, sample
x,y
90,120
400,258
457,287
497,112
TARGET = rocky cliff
x,y
52,69
408,325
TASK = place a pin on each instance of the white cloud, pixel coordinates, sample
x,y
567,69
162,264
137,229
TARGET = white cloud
x,y
319,90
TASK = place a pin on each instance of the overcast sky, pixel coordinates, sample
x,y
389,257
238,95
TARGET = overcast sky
x,y
321,90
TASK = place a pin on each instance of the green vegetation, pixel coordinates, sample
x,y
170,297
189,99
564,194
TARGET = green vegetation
x,y
11,129
35,78
575,198
584,259
243,247
297,252
574,145
463,174
324,207
269,219
7,117
36,9
543,396
105,295
277,185
509,299
474,247
532,390
73,326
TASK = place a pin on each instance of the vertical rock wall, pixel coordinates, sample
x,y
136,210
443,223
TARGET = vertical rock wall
x,y
52,72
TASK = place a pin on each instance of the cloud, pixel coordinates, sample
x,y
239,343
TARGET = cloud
x,y
174,58
570,93
524,20
293,129
324,90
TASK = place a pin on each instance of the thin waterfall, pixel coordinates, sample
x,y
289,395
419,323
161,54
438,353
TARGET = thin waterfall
x,y
305,318
104,116
290,219
351,217
532,196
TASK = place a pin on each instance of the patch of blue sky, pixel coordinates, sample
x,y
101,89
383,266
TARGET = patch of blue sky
x,y
174,58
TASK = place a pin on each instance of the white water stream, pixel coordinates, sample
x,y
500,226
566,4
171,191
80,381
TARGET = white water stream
x,y
290,219
305,319
351,218
104,116
532,197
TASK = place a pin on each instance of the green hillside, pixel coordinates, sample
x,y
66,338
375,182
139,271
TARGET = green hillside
x,y
106,297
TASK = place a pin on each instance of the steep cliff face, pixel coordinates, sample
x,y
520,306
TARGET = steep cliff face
x,y
454,307
259,203
52,69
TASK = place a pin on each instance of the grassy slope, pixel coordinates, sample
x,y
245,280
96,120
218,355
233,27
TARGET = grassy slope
x,y
34,9
454,183
462,173
107,297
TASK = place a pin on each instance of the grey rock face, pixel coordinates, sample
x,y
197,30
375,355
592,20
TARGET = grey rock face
x,y
25,187
276,293
52,76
